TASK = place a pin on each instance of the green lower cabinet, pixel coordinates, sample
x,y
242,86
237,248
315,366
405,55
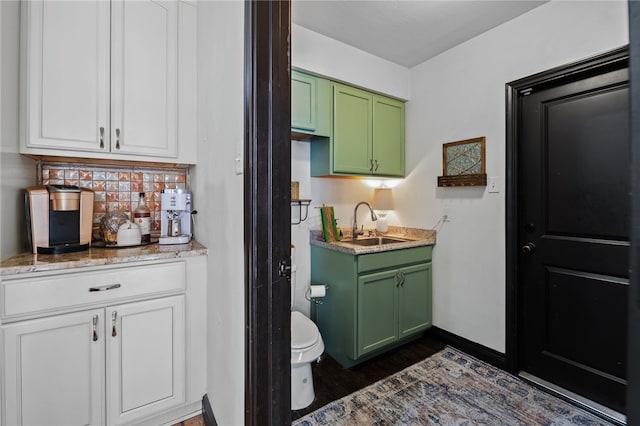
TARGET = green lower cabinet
x,y
377,311
393,305
374,303
414,300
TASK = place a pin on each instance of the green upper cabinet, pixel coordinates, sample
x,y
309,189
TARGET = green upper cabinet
x,y
303,102
367,138
352,130
388,136
310,105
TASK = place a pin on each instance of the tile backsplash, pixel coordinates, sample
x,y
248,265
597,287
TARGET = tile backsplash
x,y
117,188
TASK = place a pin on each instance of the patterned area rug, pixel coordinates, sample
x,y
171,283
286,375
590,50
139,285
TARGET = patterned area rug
x,y
450,388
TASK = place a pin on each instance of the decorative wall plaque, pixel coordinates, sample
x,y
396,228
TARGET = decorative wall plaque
x,y
463,163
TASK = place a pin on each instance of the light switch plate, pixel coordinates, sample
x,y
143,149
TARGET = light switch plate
x,y
493,186
239,159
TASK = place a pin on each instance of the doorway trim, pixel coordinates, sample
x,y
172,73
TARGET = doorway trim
x,y
514,91
633,368
267,228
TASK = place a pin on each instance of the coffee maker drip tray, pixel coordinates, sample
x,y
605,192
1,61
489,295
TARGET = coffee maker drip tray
x,y
63,248
178,239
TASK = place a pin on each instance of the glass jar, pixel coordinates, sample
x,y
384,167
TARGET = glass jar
x,y
110,223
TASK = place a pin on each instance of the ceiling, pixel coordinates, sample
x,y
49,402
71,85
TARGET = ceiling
x,y
402,31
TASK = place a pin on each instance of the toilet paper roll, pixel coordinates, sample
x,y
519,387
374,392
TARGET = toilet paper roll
x,y
318,291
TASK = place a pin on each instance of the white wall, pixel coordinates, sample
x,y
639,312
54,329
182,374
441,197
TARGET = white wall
x,y
218,197
460,94
16,172
322,55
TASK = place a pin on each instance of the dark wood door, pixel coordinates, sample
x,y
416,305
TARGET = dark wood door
x,y
633,372
573,232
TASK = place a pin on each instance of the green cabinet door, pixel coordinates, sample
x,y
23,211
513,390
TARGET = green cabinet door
x,y
352,127
375,301
388,136
377,311
414,299
303,102
366,136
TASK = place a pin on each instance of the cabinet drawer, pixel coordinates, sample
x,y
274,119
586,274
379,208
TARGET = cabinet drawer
x,y
41,293
393,258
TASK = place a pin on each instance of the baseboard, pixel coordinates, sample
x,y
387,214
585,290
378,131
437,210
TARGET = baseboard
x,y
207,412
488,355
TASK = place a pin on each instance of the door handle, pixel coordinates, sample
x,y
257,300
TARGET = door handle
x,y
528,248
284,269
114,315
94,328
104,288
101,137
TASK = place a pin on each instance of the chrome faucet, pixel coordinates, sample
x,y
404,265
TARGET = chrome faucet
x,y
355,218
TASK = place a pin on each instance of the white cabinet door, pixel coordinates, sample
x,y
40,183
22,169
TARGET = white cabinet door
x,y
66,95
146,368
144,77
102,77
54,370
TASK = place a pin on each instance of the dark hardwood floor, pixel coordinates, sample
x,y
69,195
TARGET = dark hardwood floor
x,y
332,381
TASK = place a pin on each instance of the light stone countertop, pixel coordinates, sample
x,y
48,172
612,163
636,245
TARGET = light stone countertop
x,y
415,237
28,262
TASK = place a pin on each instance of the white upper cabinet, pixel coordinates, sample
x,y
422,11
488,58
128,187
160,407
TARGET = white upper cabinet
x,y
67,84
102,79
144,83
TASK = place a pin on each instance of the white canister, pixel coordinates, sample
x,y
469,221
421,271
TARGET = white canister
x,y
129,234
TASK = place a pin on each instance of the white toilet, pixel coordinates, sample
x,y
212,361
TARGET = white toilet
x,y
306,347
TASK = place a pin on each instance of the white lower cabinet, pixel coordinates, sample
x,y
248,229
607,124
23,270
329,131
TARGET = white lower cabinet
x,y
54,370
145,358
137,356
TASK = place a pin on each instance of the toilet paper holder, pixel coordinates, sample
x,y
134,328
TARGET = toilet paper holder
x,y
316,291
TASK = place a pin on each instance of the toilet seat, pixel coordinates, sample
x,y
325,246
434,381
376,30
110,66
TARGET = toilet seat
x,y
304,332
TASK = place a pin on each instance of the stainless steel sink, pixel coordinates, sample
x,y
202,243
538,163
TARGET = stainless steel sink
x,y
375,241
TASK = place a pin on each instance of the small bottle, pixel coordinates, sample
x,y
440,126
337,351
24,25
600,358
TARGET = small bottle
x,y
142,216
